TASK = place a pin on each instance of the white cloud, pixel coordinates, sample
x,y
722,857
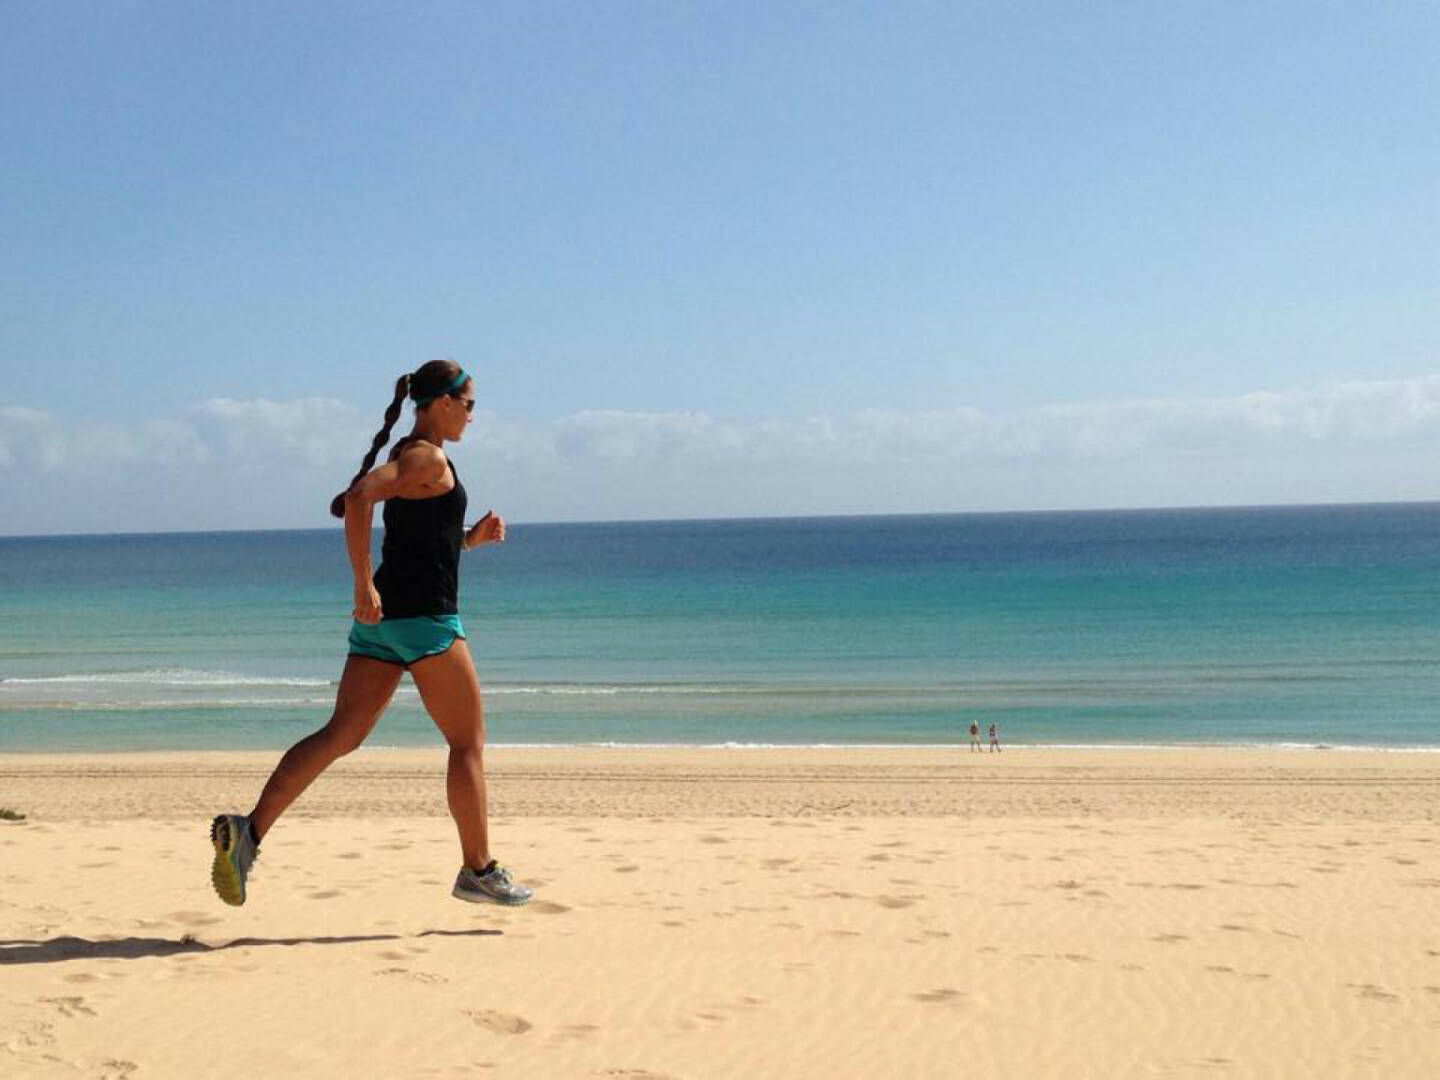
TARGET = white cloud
x,y
29,438
1338,416
305,433
646,436
259,463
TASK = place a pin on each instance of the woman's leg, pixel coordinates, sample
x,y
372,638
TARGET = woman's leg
x,y
450,690
365,689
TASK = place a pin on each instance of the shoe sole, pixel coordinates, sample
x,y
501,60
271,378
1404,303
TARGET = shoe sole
x,y
224,874
486,898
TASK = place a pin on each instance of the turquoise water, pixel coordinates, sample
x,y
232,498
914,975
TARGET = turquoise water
x,y
1261,626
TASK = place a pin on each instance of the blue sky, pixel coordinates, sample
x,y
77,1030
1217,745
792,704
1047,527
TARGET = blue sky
x,y
718,259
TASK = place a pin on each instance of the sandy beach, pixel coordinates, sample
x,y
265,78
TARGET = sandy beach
x,y
729,913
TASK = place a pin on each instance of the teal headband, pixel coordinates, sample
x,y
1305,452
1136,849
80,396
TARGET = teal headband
x,y
455,384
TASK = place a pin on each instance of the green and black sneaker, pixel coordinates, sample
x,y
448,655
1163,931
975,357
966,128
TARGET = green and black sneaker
x,y
234,855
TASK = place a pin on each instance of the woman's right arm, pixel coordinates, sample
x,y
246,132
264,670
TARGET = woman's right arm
x,y
409,475
359,517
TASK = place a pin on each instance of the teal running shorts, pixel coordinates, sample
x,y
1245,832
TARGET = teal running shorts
x,y
404,641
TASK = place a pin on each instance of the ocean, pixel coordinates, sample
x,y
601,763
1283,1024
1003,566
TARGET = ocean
x,y
1308,626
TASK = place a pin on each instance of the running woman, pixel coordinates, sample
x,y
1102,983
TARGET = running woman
x,y
406,619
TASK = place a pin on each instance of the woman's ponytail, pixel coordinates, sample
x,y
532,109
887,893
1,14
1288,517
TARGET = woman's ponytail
x,y
402,388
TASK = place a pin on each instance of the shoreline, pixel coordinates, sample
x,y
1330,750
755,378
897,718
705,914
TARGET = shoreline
x,y
625,781
606,746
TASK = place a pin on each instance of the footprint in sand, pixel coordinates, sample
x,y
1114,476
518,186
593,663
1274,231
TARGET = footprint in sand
x,y
328,894
548,907
634,1074
115,1069
193,918
499,1022
1222,969
427,977
1169,939
944,996
1371,992
69,1006
575,1031
713,840
348,855
894,901
626,869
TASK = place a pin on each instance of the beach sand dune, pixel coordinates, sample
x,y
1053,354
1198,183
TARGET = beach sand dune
x,y
724,914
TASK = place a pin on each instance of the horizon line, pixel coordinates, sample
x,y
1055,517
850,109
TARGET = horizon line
x,y
1175,508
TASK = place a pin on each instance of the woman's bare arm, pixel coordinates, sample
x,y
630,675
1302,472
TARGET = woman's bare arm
x,y
419,471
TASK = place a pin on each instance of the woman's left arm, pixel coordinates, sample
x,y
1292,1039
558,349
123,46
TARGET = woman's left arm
x,y
490,529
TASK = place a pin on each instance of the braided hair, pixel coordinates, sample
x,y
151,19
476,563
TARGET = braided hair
x,y
420,385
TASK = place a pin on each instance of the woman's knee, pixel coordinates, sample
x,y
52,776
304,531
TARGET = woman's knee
x,y
468,734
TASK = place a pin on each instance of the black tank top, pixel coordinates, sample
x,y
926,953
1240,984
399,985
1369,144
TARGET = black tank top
x,y
420,555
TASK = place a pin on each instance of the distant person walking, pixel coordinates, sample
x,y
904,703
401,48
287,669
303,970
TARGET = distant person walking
x,y
975,736
406,619
994,739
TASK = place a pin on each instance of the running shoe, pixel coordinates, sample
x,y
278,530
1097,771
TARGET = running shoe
x,y
234,854
492,884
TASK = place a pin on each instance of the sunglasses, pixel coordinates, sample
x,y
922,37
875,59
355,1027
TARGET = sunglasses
x,y
469,403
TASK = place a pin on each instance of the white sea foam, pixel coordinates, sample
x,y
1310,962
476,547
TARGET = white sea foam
x,y
182,677
179,704
613,690
164,677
